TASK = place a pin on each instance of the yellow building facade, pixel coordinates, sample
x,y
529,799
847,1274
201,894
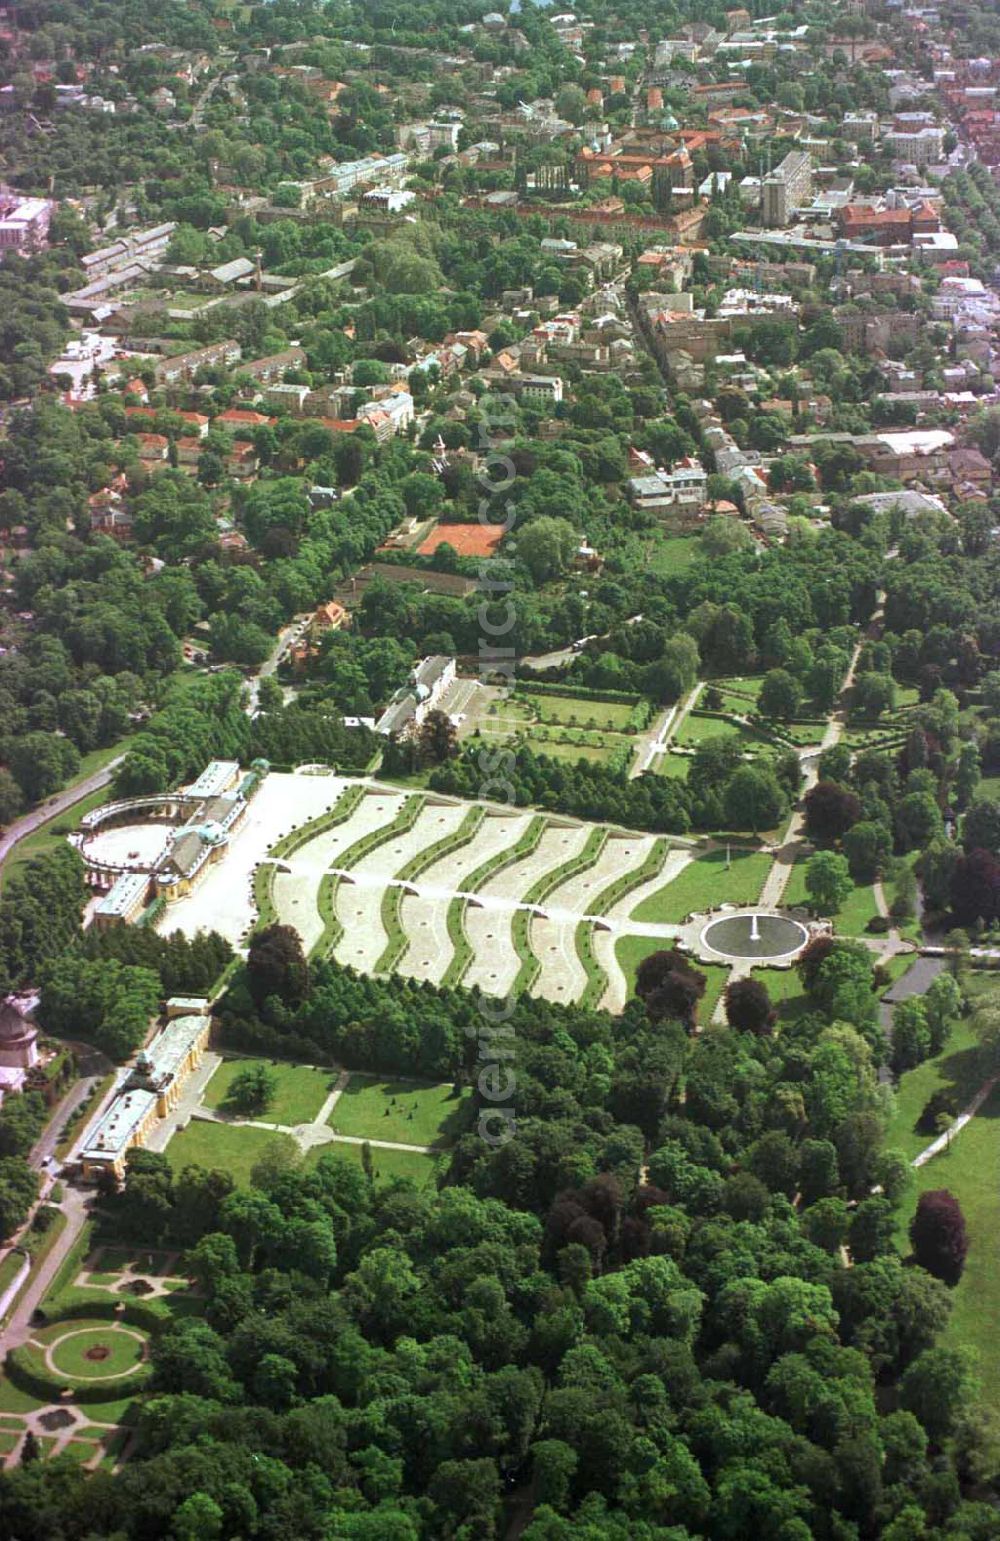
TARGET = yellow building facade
x,y
151,1091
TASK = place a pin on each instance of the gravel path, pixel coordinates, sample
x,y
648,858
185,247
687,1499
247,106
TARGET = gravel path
x,y
562,977
425,916
553,940
359,905
495,964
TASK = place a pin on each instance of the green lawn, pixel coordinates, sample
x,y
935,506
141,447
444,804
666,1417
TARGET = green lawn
x,y
795,889
958,1067
554,738
398,1110
53,833
14,1400
856,911
9,1269
668,554
743,685
898,965
574,711
707,881
785,989
801,734
565,749
81,1449
853,915
387,1164
507,714
733,702
969,1171
416,780
95,1352
696,729
228,1148
301,1089
675,765
121,1411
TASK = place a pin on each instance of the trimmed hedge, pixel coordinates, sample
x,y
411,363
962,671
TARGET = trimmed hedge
x,y
650,867
26,1368
465,832
341,811
150,1315
581,692
597,979
326,903
400,825
263,895
30,1373
531,965
462,955
392,900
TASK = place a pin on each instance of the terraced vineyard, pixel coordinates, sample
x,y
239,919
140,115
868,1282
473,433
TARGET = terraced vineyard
x,y
455,892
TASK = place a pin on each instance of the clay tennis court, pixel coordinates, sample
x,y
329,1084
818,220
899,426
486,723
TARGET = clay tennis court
x,y
468,539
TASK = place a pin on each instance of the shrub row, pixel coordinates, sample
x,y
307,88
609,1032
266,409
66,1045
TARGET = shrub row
x,y
86,1300
31,1374
400,825
578,692
597,979
392,900
341,811
619,759
650,867
547,884
465,832
462,954
326,903
263,894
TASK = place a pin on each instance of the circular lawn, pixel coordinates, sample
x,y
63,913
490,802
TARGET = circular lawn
x,y
104,1352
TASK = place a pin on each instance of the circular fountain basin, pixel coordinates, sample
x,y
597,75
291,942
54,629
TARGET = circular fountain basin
x,y
755,936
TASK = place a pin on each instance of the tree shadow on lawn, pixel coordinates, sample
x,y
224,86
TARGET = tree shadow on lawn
x,y
452,1124
962,1073
456,1123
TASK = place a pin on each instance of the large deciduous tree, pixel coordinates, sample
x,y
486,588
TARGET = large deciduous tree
x,y
748,1006
670,987
276,965
828,881
938,1236
830,811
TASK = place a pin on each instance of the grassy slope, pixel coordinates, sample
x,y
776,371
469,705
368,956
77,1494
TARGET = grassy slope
x,y
706,881
301,1090
222,1147
969,1171
380,1110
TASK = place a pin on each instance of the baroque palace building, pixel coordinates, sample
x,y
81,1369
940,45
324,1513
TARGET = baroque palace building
x,y
151,1090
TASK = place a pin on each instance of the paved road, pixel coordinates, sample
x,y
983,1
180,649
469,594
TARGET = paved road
x,y
55,805
286,636
93,1074
75,1206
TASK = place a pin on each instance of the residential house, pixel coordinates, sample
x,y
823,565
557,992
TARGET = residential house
x,y
273,367
183,366
241,421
